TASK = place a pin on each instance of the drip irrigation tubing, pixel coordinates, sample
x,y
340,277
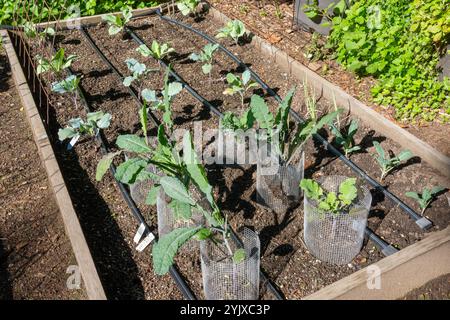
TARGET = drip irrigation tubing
x,y
421,221
180,282
382,245
278,294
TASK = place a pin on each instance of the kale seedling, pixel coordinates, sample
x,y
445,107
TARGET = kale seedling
x,y
205,56
68,85
387,163
330,202
187,7
426,197
234,29
171,89
232,122
346,140
117,23
78,127
239,85
56,64
157,51
138,72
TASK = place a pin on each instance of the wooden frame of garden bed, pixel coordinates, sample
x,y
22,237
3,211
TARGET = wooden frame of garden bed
x,y
399,272
91,280
329,91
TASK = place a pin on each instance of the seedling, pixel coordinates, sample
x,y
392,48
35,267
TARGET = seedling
x,y
32,32
232,122
78,127
171,89
239,85
279,133
388,163
56,64
187,7
68,85
346,139
330,202
139,71
205,56
234,29
426,197
157,51
116,22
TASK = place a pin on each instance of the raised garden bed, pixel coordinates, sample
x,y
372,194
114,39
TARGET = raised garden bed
x,y
106,219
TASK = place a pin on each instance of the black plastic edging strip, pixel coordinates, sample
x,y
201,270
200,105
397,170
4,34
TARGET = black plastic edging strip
x,y
378,241
421,221
179,281
201,99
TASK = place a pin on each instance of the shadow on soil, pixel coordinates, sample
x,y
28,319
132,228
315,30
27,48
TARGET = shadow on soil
x,y
5,283
4,72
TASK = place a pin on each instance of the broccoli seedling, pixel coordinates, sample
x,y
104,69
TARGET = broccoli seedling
x,y
138,72
56,64
68,85
346,139
239,84
187,7
205,56
387,163
157,51
116,22
426,197
234,29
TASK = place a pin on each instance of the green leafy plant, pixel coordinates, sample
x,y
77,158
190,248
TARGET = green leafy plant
x,y
234,29
77,127
388,163
233,122
56,64
138,72
239,84
171,89
313,11
205,56
116,22
286,140
426,197
187,7
331,202
68,85
346,139
157,51
399,43
32,32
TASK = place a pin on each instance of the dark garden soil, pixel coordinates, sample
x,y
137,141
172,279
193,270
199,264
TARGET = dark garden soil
x,y
108,224
262,19
34,250
436,289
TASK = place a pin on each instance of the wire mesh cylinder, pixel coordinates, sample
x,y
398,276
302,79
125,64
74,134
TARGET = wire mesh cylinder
x,y
139,190
277,184
224,279
236,147
336,238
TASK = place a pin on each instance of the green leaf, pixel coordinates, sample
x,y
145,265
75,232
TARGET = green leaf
x,y
128,171
181,210
166,248
152,195
437,189
239,256
405,155
379,149
206,68
413,195
143,117
311,188
348,191
66,133
203,234
104,164
175,189
132,143
261,112
174,88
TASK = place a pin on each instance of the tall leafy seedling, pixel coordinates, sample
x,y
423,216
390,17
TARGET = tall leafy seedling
x,y
239,85
345,139
55,64
163,101
68,86
117,23
206,57
187,7
157,51
138,72
388,163
234,29
285,139
78,127
426,197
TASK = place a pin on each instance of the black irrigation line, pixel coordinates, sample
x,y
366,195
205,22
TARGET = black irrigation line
x,y
385,247
180,282
421,221
278,294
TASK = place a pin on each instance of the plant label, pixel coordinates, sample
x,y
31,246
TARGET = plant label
x,y
73,141
144,243
139,233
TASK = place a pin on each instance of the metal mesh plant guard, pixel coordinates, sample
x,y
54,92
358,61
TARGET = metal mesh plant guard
x,y
139,190
277,184
224,279
335,238
236,147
